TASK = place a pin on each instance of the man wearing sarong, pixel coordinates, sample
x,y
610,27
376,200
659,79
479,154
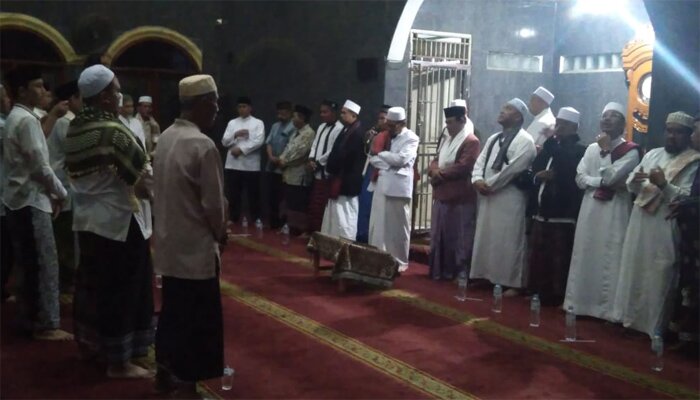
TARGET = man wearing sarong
x,y
649,264
555,199
108,169
190,225
454,198
376,133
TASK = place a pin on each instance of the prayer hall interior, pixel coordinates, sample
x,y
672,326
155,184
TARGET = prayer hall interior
x,y
301,318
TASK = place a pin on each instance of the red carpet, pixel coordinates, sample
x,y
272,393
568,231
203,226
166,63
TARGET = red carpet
x,y
273,358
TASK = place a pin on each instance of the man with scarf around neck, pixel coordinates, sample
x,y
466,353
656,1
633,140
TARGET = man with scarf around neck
x,y
109,172
454,198
500,244
649,264
345,164
602,219
555,199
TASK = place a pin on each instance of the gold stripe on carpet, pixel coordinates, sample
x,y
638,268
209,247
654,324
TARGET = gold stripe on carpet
x,y
368,355
555,349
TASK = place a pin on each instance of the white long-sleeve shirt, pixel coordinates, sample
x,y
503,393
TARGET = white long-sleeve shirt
x,y
250,146
545,119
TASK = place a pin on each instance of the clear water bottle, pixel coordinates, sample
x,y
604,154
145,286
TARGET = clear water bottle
x,y
497,299
657,348
461,286
227,378
535,311
570,324
244,225
259,228
285,235
159,281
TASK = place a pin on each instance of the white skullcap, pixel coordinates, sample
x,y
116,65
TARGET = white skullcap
x,y
396,114
459,103
94,79
544,94
569,114
145,99
519,105
615,107
196,85
352,106
680,118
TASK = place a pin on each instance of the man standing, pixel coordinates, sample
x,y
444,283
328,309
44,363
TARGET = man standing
x,y
66,239
454,198
602,219
151,129
108,168
243,138
7,258
126,115
499,243
379,136
390,219
297,177
324,140
276,142
556,200
648,268
31,193
345,164
190,228
541,127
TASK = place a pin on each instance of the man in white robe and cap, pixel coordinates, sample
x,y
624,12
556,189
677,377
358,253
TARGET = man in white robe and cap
x,y
345,165
542,126
602,219
151,128
649,265
500,245
390,218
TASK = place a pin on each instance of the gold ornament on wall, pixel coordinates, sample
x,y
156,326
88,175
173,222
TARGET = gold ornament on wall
x,y
636,62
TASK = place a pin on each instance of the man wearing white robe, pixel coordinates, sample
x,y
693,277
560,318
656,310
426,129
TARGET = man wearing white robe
x,y
542,126
602,219
648,273
345,165
390,218
500,245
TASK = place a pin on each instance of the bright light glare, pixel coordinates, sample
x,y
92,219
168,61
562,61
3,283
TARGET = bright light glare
x,y
598,7
526,33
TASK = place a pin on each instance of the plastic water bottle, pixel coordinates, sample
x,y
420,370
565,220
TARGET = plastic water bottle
x,y
657,347
461,286
227,378
497,299
535,311
285,235
159,281
570,324
259,228
244,225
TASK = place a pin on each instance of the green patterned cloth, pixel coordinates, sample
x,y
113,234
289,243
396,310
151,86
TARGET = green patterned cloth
x,y
97,141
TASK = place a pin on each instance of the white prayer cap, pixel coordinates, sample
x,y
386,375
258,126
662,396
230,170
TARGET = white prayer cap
x,y
519,105
459,103
196,85
680,118
145,99
94,79
396,114
544,94
352,106
615,107
569,114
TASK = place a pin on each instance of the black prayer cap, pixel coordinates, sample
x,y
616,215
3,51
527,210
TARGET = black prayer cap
x,y
385,108
20,77
244,100
67,90
456,111
330,103
284,105
305,111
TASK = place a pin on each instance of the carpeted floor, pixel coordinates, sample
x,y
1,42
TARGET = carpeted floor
x,y
291,335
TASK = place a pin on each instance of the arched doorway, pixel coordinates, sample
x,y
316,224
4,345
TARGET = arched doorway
x,y
29,41
151,61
